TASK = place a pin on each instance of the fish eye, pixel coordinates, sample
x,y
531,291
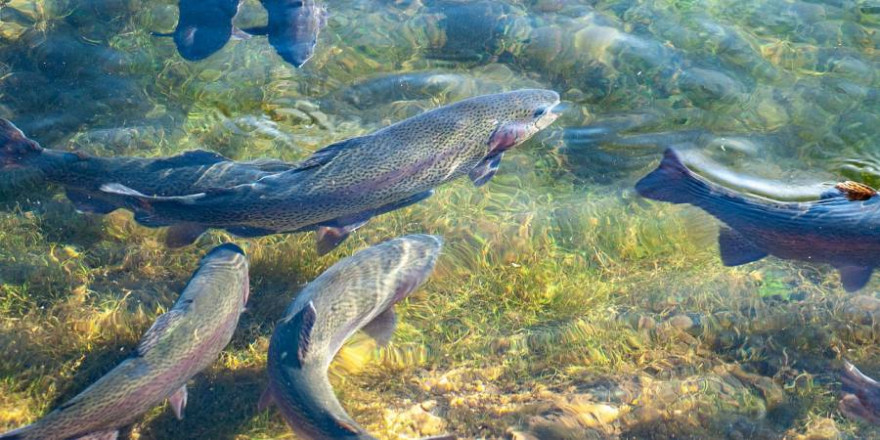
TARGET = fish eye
x,y
539,112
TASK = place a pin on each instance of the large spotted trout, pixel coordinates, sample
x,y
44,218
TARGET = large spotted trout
x,y
24,162
357,293
840,228
340,187
180,344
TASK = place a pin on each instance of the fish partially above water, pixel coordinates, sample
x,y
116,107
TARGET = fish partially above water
x,y
180,344
840,229
357,293
340,187
204,27
82,175
293,28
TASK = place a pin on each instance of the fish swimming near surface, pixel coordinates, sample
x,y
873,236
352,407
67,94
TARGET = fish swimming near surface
x,y
840,228
340,187
357,293
293,28
861,399
204,27
180,344
23,162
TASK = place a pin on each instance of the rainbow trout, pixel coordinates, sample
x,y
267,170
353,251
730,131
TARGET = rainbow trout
x,y
204,27
180,344
24,162
340,187
293,28
838,229
357,293
861,398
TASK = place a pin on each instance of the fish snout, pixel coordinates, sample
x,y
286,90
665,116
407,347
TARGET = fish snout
x,y
420,253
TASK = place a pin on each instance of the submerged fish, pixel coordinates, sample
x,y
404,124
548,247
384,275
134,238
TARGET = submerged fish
x,y
293,28
82,175
204,27
357,293
340,187
180,344
861,399
839,229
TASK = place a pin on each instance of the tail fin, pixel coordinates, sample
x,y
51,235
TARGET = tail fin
x,y
672,181
14,145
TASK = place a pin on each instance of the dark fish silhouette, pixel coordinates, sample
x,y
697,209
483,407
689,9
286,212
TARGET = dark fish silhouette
x,y
180,344
357,293
340,187
293,28
838,229
204,27
24,161
861,399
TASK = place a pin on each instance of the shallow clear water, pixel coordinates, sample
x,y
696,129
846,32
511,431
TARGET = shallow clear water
x,y
564,305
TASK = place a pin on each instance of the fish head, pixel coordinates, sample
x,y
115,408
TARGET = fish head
x,y
230,260
297,53
518,115
415,257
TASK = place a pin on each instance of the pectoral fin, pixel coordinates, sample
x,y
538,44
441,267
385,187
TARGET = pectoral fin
x,y
328,237
183,234
382,327
736,249
485,170
239,34
854,277
103,435
178,402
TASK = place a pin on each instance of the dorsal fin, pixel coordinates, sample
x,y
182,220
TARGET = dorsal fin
x,y
856,191
326,154
189,159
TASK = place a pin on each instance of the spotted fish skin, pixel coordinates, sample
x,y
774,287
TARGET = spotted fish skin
x,y
180,344
204,27
840,229
345,184
356,293
82,175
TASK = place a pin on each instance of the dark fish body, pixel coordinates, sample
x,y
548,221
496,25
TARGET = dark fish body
x,y
861,399
82,175
342,186
357,293
181,343
204,27
293,28
841,229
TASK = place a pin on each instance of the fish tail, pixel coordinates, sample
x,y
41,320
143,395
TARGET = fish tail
x,y
672,181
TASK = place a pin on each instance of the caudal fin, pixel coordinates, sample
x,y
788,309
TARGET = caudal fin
x,y
672,181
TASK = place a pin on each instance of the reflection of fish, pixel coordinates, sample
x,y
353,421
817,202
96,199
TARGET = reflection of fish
x,y
293,28
357,293
180,344
204,27
82,175
339,188
861,399
839,229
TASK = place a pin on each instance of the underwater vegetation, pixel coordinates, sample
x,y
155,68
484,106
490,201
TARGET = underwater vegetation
x,y
563,304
